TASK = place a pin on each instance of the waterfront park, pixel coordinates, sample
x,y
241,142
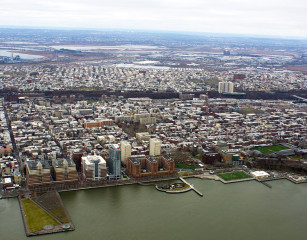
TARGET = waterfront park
x,y
232,176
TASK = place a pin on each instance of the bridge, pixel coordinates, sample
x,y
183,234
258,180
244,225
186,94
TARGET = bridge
x,y
300,98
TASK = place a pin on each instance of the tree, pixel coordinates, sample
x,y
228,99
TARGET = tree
x,y
179,156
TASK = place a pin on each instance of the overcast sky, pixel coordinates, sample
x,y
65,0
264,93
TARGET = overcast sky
x,y
257,17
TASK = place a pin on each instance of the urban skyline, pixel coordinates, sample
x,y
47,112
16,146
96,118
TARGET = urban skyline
x,y
145,114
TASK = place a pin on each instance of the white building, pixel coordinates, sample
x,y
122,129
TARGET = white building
x,y
260,174
125,151
225,87
154,147
142,136
94,167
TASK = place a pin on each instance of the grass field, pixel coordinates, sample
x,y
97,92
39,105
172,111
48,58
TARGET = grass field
x,y
270,149
234,176
246,111
92,101
60,215
52,203
36,217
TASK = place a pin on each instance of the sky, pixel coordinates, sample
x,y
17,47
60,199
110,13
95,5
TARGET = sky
x,y
286,18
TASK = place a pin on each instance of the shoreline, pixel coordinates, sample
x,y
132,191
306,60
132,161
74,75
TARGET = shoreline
x,y
59,228
204,175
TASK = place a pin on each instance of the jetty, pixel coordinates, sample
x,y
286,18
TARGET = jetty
x,y
264,183
192,187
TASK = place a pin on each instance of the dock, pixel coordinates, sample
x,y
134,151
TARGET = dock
x,y
264,183
192,187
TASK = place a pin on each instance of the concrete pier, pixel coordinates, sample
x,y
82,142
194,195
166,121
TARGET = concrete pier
x,y
264,183
192,187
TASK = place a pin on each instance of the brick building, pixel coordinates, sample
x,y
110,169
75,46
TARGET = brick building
x,y
142,166
97,123
64,170
37,172
211,157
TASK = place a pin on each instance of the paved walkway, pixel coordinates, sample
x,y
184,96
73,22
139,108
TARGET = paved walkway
x,y
208,176
191,186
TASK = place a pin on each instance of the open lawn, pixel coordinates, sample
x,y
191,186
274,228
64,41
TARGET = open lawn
x,y
60,215
53,204
270,149
36,217
246,111
92,101
234,176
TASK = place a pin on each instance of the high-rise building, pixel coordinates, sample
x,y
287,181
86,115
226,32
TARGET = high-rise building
x,y
125,148
114,163
94,167
154,147
225,87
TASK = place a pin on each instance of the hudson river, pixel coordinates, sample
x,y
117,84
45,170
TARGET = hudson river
x,y
247,210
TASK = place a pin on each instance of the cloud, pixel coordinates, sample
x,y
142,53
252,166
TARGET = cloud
x,y
272,17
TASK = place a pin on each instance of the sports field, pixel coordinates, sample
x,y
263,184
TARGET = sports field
x,y
270,149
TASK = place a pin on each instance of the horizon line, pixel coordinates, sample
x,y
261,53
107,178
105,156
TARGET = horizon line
x,y
153,31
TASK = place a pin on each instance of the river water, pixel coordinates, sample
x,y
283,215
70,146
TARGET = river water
x,y
246,210
8,53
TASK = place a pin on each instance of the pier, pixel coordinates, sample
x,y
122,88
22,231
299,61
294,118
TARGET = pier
x,y
264,183
192,187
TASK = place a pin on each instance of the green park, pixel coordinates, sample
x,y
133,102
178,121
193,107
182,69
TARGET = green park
x,y
234,176
36,217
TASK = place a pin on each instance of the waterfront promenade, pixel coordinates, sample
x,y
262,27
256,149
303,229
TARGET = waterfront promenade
x,y
80,185
288,177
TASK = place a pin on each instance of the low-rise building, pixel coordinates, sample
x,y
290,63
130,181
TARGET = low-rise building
x,y
142,166
64,170
37,172
142,136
